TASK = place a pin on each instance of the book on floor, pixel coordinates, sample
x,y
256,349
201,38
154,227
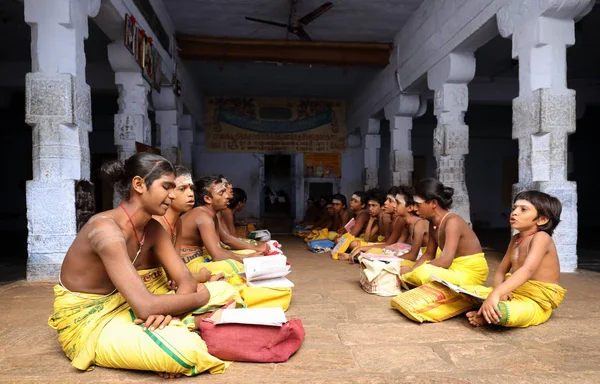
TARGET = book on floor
x,y
457,289
267,271
255,316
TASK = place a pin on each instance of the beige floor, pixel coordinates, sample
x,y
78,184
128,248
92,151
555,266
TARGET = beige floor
x,y
351,337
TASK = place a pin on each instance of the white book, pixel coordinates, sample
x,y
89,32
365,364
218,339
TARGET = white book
x,y
267,271
256,316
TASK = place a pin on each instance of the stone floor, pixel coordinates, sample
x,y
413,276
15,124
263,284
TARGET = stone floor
x,y
351,337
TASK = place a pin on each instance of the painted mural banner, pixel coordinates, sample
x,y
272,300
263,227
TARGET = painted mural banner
x,y
237,124
322,165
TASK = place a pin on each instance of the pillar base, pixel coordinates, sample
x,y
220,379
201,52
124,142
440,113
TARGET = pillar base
x,y
51,231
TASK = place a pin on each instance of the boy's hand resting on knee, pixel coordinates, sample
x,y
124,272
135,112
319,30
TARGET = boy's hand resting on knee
x,y
154,322
489,309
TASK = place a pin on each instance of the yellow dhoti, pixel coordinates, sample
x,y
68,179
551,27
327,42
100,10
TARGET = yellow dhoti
x,y
532,303
99,330
197,258
464,270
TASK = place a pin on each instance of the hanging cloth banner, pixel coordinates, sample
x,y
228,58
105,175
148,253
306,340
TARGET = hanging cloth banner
x,y
275,125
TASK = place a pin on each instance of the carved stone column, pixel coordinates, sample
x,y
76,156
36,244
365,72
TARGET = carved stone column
x,y
58,107
449,79
544,114
166,112
372,143
401,112
131,122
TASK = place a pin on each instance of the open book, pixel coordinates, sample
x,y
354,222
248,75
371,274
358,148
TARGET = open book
x,y
256,316
267,271
457,289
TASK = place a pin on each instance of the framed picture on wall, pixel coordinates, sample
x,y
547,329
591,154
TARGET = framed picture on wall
x,y
156,70
148,66
130,33
140,43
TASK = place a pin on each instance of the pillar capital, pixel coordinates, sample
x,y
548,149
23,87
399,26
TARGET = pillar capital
x,y
120,59
58,30
518,14
455,68
405,104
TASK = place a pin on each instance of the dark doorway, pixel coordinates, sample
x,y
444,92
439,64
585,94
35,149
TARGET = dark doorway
x,y
279,186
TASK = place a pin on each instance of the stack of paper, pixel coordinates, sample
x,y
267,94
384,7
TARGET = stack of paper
x,y
397,249
267,271
256,316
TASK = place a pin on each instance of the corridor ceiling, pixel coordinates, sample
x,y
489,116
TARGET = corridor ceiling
x,y
347,20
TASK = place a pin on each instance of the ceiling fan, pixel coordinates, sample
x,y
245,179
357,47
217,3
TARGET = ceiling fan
x,y
294,26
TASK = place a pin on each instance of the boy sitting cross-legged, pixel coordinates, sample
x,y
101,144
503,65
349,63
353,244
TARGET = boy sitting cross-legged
x,y
526,283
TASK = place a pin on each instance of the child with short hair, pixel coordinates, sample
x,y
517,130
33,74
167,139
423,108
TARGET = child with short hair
x,y
526,283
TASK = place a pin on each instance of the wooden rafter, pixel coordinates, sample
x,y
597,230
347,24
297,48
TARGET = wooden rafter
x,y
305,52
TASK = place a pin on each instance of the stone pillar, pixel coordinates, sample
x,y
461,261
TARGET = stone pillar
x,y
372,144
58,108
131,122
544,113
186,140
165,106
400,112
449,79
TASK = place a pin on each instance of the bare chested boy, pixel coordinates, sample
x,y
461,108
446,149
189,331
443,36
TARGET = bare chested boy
x,y
226,225
462,261
526,283
396,231
200,235
100,269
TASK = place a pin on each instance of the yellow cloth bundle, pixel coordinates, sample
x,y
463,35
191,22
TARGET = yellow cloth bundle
x,y
464,270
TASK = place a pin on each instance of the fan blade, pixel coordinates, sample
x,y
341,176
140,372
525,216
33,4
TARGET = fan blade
x,y
267,22
316,13
301,33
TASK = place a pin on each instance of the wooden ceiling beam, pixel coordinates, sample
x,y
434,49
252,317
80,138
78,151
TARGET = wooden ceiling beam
x,y
304,52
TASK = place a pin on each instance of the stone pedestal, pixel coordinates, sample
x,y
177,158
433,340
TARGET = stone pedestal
x,y
544,114
449,80
400,112
372,143
58,107
131,122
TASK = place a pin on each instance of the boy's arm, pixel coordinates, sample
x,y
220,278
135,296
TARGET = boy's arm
x,y
211,240
361,222
236,243
108,243
505,265
452,234
228,224
538,249
174,267
429,254
419,231
397,231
